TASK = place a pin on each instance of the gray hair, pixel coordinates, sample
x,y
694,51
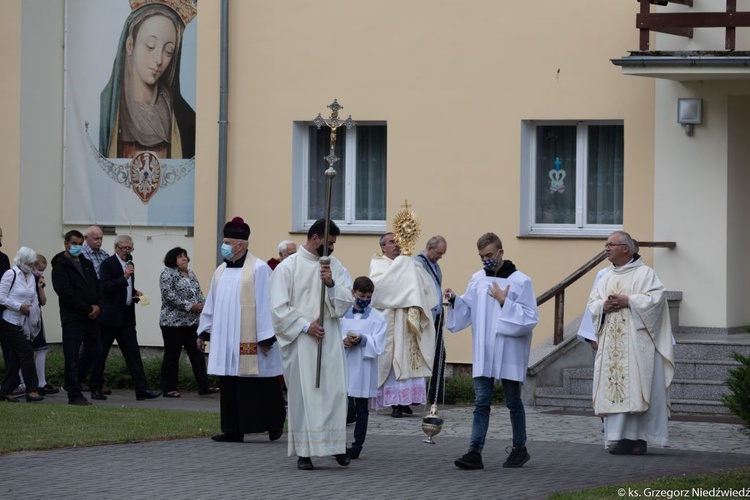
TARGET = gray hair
x,y
24,257
88,230
382,238
627,240
283,245
435,241
123,238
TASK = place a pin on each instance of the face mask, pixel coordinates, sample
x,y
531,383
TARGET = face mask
x,y
75,250
25,268
226,251
320,250
490,264
361,303
36,272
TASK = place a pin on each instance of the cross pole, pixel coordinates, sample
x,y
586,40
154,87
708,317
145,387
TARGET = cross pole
x,y
333,122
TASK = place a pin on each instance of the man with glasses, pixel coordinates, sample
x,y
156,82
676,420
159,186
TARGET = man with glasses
x,y
500,306
634,363
117,320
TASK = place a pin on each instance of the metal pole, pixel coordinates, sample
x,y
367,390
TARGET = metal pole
x,y
324,260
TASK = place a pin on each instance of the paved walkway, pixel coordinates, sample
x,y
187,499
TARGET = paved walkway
x,y
566,454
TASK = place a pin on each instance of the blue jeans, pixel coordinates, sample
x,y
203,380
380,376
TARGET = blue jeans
x,y
483,388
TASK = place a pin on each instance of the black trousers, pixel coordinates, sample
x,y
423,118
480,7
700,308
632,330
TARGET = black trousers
x,y
175,338
438,365
74,335
20,355
251,404
128,341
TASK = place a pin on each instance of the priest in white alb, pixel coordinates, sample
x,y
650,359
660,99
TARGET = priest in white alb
x,y
236,318
317,415
405,294
634,363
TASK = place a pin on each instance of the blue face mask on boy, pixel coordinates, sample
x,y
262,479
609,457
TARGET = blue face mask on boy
x,y
75,250
362,303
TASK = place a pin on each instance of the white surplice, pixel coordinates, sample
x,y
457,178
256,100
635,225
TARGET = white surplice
x,y
361,360
221,317
634,364
317,416
501,335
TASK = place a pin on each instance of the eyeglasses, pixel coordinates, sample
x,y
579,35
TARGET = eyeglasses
x,y
126,249
610,245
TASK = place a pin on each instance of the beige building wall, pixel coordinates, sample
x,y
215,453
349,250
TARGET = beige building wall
x,y
454,81
701,180
10,88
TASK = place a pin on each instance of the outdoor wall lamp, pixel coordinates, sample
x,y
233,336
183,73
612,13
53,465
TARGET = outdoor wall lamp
x,y
689,113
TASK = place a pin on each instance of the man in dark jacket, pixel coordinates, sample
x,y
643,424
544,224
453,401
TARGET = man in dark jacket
x,y
80,296
117,321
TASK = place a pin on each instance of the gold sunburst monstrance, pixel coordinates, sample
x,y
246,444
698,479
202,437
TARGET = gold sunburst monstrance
x,y
406,227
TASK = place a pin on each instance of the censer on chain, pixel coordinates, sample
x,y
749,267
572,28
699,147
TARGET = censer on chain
x,y
432,424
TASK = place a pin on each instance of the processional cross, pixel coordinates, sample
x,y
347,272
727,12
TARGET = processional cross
x,y
333,122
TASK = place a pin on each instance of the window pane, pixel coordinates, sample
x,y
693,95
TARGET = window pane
x,y
604,186
371,172
320,147
555,174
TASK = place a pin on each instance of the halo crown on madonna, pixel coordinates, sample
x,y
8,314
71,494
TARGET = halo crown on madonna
x,y
186,9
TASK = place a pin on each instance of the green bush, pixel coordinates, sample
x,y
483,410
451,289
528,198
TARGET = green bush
x,y
116,372
460,389
738,400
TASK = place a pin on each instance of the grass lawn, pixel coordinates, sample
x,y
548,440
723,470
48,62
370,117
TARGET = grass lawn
x,y
37,427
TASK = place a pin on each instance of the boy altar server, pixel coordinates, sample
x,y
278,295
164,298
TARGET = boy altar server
x,y
363,329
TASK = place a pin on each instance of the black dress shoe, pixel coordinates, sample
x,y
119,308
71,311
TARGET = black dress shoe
x,y
406,410
622,447
32,399
274,435
343,459
98,395
9,399
229,437
79,401
48,389
147,394
208,391
304,463
353,454
397,413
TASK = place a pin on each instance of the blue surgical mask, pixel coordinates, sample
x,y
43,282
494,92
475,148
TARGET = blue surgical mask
x,y
226,251
75,250
362,303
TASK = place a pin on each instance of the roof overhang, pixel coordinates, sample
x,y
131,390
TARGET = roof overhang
x,y
687,66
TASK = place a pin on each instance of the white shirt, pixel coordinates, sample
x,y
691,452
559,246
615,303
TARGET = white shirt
x,y
22,292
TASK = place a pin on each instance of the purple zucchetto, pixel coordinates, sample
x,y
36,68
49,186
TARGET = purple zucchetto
x,y
237,229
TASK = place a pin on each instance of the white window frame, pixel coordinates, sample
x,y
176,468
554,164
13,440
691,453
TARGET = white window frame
x,y
528,183
300,178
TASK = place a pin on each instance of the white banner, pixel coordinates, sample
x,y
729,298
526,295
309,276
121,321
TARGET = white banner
x,y
130,112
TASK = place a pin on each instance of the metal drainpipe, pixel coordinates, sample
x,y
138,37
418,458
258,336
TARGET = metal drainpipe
x,y
221,202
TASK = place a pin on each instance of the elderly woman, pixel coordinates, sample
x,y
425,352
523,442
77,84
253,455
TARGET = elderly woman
x,y
20,323
181,306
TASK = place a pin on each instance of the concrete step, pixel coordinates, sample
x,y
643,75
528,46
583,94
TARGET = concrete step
x,y
563,401
703,369
710,390
699,407
707,349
